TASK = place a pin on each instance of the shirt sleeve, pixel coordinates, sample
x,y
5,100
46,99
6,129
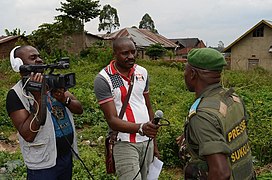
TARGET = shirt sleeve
x,y
13,103
102,89
205,131
146,90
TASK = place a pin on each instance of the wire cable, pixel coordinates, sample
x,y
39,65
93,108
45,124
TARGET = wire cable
x,y
160,124
141,167
35,115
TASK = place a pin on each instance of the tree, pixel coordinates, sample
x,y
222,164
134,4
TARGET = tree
x,y
68,25
108,19
147,23
46,38
220,47
84,10
15,32
155,51
170,54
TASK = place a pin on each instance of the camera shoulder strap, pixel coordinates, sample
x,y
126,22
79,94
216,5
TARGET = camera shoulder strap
x,y
43,113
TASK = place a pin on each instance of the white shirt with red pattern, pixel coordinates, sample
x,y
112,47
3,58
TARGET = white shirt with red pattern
x,y
110,85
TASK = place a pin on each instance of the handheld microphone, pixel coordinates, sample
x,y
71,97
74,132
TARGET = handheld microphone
x,y
158,116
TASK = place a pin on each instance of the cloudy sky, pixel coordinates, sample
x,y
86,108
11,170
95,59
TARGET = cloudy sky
x,y
209,20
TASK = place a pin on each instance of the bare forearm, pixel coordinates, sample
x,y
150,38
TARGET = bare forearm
x,y
28,127
218,167
75,107
117,124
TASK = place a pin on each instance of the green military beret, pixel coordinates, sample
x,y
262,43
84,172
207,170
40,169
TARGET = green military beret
x,y
206,58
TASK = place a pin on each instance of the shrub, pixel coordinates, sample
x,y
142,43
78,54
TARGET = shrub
x,y
155,51
100,53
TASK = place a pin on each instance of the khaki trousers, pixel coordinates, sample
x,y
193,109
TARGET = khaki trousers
x,y
129,157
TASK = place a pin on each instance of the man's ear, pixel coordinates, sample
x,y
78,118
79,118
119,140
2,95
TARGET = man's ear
x,y
193,73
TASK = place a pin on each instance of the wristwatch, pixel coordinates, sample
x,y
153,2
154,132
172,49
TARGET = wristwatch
x,y
67,101
140,130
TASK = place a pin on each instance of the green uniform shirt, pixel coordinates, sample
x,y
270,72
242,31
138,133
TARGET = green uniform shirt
x,y
204,131
217,124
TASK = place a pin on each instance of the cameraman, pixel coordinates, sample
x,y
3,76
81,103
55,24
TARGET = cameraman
x,y
45,146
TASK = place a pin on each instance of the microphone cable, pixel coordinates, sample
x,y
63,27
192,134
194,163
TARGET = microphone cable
x,y
141,167
34,111
150,139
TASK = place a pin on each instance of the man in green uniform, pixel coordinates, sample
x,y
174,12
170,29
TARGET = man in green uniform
x,y
216,127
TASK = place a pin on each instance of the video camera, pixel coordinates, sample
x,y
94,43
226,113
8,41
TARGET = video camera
x,y
53,81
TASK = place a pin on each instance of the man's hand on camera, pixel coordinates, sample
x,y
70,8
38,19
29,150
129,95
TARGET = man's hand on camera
x,y
59,95
37,77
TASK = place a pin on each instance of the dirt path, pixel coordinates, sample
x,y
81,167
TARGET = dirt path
x,y
11,144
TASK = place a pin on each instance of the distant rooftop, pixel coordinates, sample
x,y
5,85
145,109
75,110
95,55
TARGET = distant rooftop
x,y
142,37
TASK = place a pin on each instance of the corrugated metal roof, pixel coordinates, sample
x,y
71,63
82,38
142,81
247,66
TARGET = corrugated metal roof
x,y
138,37
142,37
96,36
187,42
267,22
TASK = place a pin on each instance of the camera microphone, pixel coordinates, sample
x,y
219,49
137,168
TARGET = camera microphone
x,y
158,116
61,65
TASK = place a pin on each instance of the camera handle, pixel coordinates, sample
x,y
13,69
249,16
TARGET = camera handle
x,y
43,110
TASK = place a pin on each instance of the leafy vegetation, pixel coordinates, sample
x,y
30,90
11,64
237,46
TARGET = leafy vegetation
x,y
48,36
84,10
155,51
168,93
14,32
108,19
147,23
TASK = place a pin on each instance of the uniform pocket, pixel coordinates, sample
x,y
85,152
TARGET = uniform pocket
x,y
36,152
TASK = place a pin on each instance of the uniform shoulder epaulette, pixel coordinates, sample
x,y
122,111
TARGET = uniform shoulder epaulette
x,y
194,107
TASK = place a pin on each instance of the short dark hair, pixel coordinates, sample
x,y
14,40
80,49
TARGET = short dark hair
x,y
116,43
19,50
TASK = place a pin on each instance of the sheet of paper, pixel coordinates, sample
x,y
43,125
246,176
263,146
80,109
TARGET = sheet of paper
x,y
154,169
